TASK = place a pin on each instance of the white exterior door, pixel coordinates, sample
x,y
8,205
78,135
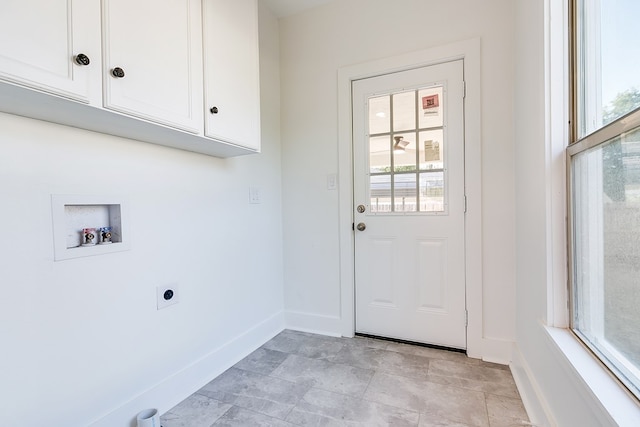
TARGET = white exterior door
x,y
409,205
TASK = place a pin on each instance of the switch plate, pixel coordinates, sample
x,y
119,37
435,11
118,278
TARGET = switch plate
x,y
167,295
332,181
255,195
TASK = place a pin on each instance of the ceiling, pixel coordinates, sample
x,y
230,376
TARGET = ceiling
x,y
282,8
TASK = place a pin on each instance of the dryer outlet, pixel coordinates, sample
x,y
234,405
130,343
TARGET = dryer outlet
x,y
167,295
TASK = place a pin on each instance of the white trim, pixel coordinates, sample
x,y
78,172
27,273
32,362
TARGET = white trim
x,y
312,323
179,385
469,51
532,397
497,350
611,402
556,136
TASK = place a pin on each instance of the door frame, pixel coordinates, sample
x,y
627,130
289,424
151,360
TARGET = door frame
x,y
469,52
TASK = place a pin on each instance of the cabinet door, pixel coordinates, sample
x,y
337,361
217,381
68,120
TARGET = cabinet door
x,y
232,80
157,47
40,40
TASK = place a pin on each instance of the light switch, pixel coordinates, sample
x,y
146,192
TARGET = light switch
x,y
255,195
332,181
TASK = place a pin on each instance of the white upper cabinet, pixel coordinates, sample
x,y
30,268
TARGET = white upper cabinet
x,y
53,46
153,60
179,73
231,66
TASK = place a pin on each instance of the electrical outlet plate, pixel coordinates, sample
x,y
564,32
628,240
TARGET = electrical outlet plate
x,y
332,181
255,195
164,302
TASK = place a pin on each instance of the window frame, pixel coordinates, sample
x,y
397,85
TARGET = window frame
x,y
578,144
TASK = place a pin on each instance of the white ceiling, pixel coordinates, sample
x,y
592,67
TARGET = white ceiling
x,y
282,8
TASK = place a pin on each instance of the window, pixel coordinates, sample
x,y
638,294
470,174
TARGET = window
x,y
406,151
604,183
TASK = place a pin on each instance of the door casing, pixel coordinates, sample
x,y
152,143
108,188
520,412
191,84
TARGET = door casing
x,y
469,52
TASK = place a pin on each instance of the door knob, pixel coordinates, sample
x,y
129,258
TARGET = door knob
x,y
361,226
82,59
117,72
213,110
361,208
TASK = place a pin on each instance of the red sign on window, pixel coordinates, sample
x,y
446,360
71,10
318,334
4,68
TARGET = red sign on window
x,y
430,101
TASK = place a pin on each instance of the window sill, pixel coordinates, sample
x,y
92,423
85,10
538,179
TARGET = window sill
x,y
613,397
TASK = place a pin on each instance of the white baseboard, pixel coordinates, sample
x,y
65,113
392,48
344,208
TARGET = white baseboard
x,y
313,323
178,386
532,398
496,351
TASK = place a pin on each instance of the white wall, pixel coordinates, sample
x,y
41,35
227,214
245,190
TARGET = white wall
x,y
82,340
552,390
314,45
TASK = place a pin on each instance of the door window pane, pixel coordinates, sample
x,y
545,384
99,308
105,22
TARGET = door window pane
x,y
431,149
430,108
380,189
404,112
432,192
404,152
380,154
379,115
405,193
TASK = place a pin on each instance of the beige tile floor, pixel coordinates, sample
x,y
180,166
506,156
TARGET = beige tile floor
x,y
300,379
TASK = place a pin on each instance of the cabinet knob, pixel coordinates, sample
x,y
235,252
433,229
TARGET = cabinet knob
x,y
117,72
82,59
214,110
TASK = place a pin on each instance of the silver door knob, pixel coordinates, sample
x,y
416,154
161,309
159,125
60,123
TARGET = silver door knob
x,y
361,226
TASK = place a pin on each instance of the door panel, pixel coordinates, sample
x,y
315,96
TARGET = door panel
x,y
409,185
381,276
52,33
159,50
232,78
431,278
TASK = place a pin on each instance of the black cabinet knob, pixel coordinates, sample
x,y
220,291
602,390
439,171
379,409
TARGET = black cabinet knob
x,y
117,72
214,110
82,59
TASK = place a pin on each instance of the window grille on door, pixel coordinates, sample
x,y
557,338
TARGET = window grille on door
x,y
407,168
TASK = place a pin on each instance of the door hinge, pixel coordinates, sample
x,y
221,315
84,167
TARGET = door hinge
x,y
466,318
464,89
465,203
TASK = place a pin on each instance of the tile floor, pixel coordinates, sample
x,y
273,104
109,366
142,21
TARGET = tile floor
x,y
300,379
